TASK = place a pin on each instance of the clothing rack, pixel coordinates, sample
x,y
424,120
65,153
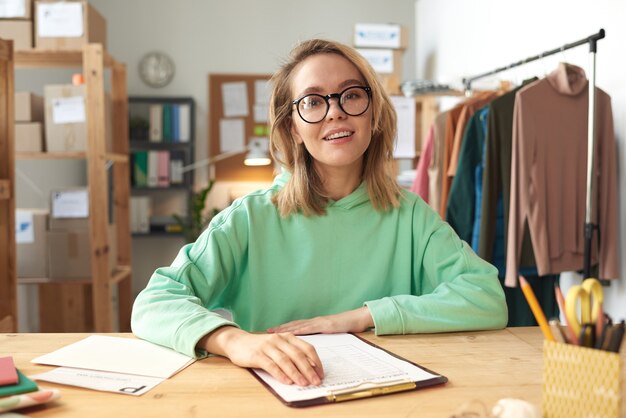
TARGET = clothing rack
x,y
592,41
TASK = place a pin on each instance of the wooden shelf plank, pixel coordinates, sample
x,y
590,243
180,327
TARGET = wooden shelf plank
x,y
73,155
36,58
47,280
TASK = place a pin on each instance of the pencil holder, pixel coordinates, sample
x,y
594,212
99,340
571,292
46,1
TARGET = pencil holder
x,y
581,382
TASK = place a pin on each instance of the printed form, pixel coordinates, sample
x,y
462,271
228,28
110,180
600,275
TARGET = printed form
x,y
349,364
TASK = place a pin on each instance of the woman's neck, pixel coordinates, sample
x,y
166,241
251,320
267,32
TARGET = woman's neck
x,y
340,182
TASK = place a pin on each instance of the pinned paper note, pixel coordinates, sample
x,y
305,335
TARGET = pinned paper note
x,y
262,91
261,130
261,113
232,135
12,8
60,20
235,99
405,143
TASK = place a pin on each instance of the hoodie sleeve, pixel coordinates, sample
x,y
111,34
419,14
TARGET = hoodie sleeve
x,y
455,290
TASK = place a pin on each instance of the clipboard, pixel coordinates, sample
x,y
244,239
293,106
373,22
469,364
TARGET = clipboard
x,y
362,349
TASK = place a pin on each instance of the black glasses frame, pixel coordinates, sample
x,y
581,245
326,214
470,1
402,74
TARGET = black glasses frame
x,y
337,96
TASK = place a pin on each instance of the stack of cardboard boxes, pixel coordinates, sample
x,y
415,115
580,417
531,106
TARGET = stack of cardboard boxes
x,y
51,24
16,23
55,244
28,122
383,46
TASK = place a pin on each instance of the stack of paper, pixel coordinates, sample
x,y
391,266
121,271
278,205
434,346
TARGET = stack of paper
x,y
112,364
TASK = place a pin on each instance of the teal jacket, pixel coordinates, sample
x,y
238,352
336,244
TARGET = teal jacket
x,y
406,264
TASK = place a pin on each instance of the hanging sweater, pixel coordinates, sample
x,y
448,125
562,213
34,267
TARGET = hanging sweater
x,y
405,264
420,184
548,176
497,186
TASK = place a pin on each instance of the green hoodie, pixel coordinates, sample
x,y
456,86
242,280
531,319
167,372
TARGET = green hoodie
x,y
405,264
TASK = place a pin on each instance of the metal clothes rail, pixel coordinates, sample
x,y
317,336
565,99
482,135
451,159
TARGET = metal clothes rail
x,y
592,41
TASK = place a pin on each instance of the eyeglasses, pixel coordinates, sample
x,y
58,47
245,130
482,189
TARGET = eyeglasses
x,y
353,101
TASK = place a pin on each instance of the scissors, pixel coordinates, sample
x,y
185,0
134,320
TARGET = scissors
x,y
591,297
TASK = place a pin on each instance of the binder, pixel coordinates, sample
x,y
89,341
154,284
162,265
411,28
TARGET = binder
x,y
420,377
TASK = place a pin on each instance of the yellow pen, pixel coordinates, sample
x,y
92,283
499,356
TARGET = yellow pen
x,y
537,312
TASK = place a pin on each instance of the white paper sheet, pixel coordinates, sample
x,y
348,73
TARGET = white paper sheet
x,y
405,109
261,113
348,363
128,384
24,227
68,110
232,135
12,8
70,204
119,355
60,20
262,91
235,99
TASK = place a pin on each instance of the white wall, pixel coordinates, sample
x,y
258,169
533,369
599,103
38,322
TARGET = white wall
x,y
457,38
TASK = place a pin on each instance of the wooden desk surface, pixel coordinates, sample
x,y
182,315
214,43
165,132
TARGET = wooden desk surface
x,y
486,365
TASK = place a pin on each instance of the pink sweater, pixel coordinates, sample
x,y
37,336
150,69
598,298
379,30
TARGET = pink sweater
x,y
548,176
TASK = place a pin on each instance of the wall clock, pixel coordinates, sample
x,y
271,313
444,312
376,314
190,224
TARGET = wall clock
x,y
156,69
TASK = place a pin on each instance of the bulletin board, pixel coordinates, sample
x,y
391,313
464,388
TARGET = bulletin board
x,y
228,110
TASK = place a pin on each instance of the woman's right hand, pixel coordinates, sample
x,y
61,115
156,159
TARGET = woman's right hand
x,y
284,356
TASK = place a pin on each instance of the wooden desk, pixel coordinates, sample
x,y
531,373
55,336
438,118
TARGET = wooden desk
x,y
487,365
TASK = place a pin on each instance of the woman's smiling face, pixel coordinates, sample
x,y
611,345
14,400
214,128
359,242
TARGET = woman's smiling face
x,y
338,140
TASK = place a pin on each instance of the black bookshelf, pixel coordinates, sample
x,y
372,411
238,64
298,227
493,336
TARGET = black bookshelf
x,y
161,141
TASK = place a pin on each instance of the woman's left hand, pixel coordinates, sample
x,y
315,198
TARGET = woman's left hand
x,y
357,320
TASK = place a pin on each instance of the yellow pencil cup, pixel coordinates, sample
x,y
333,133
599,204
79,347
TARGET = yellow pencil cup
x,y
581,382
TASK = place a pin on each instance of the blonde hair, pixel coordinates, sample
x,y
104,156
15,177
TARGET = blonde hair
x,y
304,191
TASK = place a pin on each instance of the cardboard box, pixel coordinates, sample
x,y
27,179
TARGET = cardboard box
x,y
65,114
69,253
20,31
31,234
391,83
28,137
68,25
384,61
68,224
17,9
380,35
28,107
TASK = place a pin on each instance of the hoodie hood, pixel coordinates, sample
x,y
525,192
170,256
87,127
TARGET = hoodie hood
x,y
568,79
357,197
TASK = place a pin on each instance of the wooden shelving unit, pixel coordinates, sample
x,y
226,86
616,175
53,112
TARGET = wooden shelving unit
x,y
72,298
8,286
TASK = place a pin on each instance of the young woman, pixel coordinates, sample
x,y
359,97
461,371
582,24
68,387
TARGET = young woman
x,y
334,245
